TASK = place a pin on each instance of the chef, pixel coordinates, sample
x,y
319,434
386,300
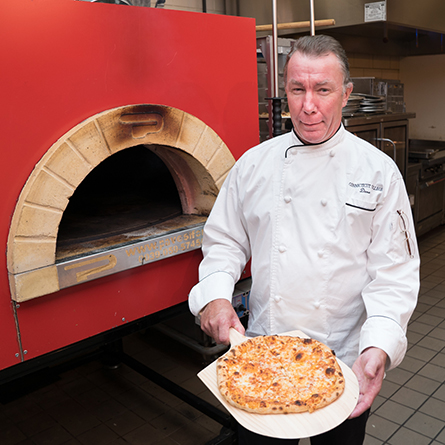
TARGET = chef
x,y
325,219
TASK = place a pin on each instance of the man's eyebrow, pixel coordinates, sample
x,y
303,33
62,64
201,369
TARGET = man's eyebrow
x,y
325,82
295,82
321,83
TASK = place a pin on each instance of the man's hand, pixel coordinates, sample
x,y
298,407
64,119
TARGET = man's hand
x,y
370,370
217,318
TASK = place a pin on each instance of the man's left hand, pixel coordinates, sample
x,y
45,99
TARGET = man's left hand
x,y
370,370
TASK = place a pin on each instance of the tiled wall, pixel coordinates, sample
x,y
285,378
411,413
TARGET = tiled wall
x,y
383,67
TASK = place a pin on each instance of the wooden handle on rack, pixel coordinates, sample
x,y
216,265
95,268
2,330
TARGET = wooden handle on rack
x,y
296,25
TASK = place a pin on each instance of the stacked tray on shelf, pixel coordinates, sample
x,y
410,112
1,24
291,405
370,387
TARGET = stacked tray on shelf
x,y
359,103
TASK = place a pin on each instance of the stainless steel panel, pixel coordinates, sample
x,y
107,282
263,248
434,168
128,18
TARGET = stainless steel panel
x,y
126,257
344,12
431,200
411,27
427,15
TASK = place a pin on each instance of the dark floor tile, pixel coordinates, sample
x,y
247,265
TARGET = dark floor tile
x,y
146,435
192,434
410,398
389,388
434,408
395,412
399,376
10,434
35,424
56,435
433,372
74,418
169,422
22,408
432,343
424,424
423,384
421,352
380,427
107,410
420,328
405,436
99,435
125,423
411,364
430,319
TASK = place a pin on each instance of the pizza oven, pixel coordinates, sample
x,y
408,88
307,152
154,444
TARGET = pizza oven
x,y
120,124
124,188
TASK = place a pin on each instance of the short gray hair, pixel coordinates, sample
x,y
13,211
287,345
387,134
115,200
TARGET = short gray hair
x,y
317,46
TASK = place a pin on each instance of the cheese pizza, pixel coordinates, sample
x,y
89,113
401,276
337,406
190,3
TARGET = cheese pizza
x,y
279,375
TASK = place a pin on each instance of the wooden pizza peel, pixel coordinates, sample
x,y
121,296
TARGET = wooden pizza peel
x,y
288,426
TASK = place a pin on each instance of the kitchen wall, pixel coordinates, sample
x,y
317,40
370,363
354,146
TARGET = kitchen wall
x,y
423,77
383,67
424,87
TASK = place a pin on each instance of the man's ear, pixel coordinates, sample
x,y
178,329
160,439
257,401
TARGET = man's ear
x,y
348,91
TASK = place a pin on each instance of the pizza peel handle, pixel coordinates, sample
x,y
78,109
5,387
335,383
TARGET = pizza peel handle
x,y
235,337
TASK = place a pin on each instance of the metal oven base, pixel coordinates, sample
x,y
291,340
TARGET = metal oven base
x,y
18,380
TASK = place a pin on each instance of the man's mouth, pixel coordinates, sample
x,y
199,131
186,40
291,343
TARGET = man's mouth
x,y
311,124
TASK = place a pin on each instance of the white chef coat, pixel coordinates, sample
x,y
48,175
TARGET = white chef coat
x,y
322,226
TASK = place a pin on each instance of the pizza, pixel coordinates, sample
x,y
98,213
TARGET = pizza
x,y
280,374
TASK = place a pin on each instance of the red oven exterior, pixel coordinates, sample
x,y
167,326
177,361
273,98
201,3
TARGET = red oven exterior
x,y
64,61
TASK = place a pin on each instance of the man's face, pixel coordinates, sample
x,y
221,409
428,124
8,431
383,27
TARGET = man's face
x,y
315,96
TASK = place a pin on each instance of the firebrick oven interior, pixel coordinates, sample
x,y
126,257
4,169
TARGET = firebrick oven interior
x,y
129,191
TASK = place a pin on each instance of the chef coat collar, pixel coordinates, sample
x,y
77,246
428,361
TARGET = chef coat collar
x,y
328,143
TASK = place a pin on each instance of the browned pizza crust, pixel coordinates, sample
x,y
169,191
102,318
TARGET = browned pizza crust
x,y
280,374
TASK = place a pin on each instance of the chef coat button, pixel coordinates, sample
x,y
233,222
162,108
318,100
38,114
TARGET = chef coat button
x,y
320,253
332,153
282,249
317,305
324,202
277,298
287,199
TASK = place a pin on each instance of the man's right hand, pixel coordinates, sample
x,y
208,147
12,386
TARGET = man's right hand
x,y
217,318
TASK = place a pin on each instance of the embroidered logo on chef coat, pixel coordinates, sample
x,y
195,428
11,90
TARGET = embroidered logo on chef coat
x,y
366,187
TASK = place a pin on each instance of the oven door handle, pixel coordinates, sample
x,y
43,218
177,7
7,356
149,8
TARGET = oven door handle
x,y
393,146
430,183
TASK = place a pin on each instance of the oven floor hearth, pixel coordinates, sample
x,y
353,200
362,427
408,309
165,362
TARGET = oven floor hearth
x,y
95,405
91,245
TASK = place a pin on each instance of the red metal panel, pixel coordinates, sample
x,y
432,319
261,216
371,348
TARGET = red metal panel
x,y
49,322
64,61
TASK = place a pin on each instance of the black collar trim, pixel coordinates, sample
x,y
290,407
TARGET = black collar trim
x,y
303,144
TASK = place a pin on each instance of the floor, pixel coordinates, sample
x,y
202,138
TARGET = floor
x,y
97,405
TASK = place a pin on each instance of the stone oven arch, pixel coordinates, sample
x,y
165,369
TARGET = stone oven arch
x,y
196,156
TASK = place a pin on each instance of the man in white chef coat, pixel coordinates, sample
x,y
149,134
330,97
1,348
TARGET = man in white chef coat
x,y
325,219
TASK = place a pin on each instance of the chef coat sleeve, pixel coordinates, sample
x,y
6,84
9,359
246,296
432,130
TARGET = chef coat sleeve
x,y
391,295
225,247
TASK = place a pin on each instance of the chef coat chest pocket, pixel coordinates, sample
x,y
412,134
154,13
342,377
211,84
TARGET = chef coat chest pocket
x,y
359,214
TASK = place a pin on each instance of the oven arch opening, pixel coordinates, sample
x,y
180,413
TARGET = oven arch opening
x,y
132,195
189,156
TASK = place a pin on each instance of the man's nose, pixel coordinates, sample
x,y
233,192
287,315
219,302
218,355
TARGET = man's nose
x,y
309,105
